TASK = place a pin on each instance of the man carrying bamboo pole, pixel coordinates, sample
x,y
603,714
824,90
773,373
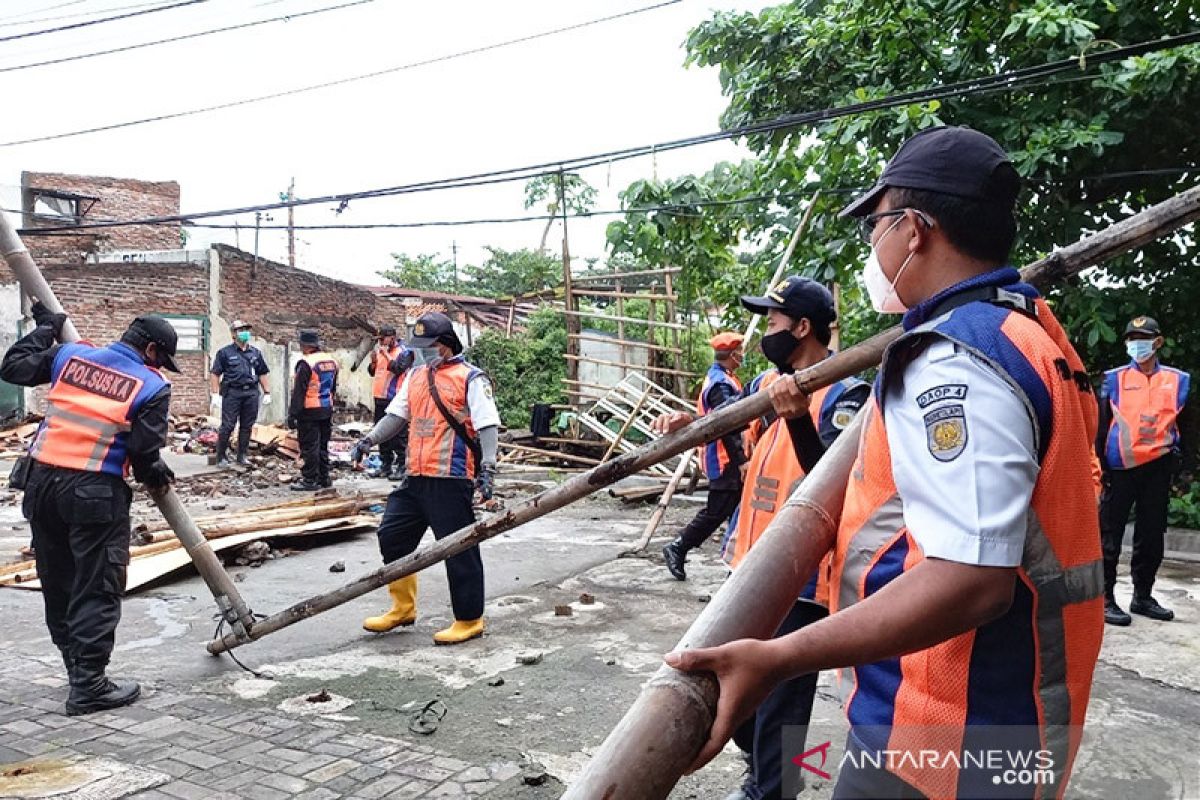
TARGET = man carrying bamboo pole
x,y
967,582
106,410
800,314
453,427
723,460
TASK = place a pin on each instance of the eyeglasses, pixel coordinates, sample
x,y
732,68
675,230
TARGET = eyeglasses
x,y
866,225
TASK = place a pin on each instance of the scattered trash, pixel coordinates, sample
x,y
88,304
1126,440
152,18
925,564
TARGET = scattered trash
x,y
427,720
322,696
238,578
587,599
504,722
337,566
496,681
253,554
534,774
610,662
562,611
704,598
529,659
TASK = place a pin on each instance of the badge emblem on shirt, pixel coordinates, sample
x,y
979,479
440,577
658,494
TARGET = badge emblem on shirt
x,y
842,417
946,432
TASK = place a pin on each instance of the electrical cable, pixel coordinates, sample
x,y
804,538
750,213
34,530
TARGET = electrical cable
x,y
1009,81
340,81
71,16
100,21
184,37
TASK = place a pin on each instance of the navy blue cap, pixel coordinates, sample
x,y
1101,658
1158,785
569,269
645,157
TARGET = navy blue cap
x,y
799,298
310,338
956,161
430,328
1146,326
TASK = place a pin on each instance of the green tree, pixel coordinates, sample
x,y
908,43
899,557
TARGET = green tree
x,y
578,195
526,369
514,272
424,272
1091,145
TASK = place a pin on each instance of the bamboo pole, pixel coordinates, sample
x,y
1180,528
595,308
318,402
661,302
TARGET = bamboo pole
x,y
650,323
233,608
625,427
661,734
626,342
663,503
622,275
787,256
637,367
620,295
1119,238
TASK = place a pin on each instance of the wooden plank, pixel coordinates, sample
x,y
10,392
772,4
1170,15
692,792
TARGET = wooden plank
x,y
626,342
603,276
635,367
624,295
647,322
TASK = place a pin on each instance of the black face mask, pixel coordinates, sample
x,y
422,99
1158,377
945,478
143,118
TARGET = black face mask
x,y
778,348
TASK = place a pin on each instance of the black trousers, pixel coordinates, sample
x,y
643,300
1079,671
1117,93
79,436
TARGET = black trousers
x,y
867,782
80,523
443,504
1147,487
314,448
789,705
396,448
724,494
239,408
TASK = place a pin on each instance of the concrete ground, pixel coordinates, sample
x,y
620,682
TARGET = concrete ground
x,y
206,728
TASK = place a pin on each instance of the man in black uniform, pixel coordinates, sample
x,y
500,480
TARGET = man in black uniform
x,y
311,411
106,410
240,370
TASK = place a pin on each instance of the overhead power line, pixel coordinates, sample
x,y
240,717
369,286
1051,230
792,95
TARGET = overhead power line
x,y
341,81
39,10
77,15
1007,81
184,37
100,21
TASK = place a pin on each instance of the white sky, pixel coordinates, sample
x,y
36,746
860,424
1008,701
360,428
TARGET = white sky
x,y
612,85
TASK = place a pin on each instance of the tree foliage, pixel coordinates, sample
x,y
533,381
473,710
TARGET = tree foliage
x,y
514,272
526,369
424,272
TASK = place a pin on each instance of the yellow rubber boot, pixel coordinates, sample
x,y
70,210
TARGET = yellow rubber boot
x,y
404,607
460,631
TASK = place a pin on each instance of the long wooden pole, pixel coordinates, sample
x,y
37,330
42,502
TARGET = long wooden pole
x,y
1126,235
783,261
661,734
233,608
664,502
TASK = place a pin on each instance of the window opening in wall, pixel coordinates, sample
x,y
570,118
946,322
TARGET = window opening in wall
x,y
192,331
62,208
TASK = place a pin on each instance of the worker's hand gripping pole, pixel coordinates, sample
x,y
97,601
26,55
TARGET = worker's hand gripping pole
x,y
232,607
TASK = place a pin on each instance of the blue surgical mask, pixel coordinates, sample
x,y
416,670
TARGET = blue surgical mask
x,y
243,336
1140,349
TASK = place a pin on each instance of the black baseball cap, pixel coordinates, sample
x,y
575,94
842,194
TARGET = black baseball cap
x,y
311,338
150,328
1147,326
430,328
799,298
387,330
957,161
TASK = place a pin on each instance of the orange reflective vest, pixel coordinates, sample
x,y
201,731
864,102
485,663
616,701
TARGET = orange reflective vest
x,y
322,381
1031,669
95,394
385,382
434,449
713,456
1144,409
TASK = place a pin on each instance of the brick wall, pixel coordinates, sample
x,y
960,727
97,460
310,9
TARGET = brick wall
x,y
118,198
278,300
104,298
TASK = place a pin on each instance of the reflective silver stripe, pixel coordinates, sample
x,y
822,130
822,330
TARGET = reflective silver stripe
x,y
1124,439
106,432
879,528
1056,588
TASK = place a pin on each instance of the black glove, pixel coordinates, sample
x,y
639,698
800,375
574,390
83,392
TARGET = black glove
x,y
158,475
43,316
292,423
361,450
485,481
402,363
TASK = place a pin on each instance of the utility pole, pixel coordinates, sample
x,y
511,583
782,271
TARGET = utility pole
x,y
454,255
291,195
259,218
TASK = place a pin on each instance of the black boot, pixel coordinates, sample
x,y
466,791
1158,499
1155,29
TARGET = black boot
x,y
675,554
1147,606
1114,614
92,691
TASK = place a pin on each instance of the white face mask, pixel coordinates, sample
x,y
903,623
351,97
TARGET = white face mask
x,y
882,291
428,355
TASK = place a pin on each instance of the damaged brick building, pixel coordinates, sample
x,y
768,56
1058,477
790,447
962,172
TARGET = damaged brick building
x,y
105,277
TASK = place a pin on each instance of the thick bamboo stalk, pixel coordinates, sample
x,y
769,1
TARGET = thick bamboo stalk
x,y
1145,226
233,608
215,527
637,409
651,323
680,706
661,734
622,275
